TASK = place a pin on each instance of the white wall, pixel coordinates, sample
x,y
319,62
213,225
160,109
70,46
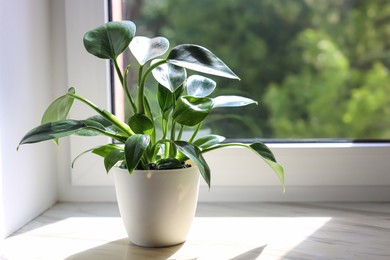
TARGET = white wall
x,y
28,177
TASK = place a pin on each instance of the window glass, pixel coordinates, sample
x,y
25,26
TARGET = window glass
x,y
319,69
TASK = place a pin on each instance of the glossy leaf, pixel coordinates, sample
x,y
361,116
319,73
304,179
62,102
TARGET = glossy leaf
x,y
108,125
165,100
135,147
112,158
93,124
191,111
195,155
198,58
52,130
145,49
94,128
169,75
100,150
262,150
169,163
199,86
110,39
59,109
106,149
101,120
208,141
178,92
232,101
141,124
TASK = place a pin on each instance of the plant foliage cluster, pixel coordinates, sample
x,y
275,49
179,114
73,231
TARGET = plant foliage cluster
x,y
183,103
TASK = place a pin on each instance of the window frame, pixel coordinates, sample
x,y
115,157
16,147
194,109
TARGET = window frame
x,y
314,170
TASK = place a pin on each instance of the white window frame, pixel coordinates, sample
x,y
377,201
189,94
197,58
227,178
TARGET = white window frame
x,y
314,171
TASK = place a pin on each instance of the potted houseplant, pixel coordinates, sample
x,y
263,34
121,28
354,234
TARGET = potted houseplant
x,y
156,171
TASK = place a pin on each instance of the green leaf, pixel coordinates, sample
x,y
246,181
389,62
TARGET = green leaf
x,y
169,75
101,120
263,151
191,111
94,128
112,158
208,141
232,101
199,86
145,49
165,100
135,147
96,122
178,92
193,152
198,58
59,108
100,150
107,124
52,130
141,124
169,163
106,149
110,39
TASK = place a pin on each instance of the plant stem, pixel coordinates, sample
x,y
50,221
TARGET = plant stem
x,y
141,85
180,132
127,90
118,71
164,127
167,146
173,130
195,133
123,81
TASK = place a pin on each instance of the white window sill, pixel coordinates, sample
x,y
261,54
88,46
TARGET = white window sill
x,y
219,231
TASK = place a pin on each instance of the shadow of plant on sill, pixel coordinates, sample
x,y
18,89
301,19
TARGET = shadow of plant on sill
x,y
251,254
123,249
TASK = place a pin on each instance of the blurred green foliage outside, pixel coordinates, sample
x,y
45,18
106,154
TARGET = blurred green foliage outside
x,y
319,69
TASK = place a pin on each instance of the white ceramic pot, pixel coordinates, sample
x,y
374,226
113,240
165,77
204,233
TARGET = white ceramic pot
x,y
157,207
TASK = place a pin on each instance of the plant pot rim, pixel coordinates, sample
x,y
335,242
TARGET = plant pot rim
x,y
163,171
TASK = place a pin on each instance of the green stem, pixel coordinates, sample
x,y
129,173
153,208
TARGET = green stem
x,y
167,146
141,84
166,143
124,84
164,128
195,133
118,71
180,132
173,130
140,97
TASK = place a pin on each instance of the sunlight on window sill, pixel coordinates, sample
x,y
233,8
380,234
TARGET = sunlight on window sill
x,y
210,237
